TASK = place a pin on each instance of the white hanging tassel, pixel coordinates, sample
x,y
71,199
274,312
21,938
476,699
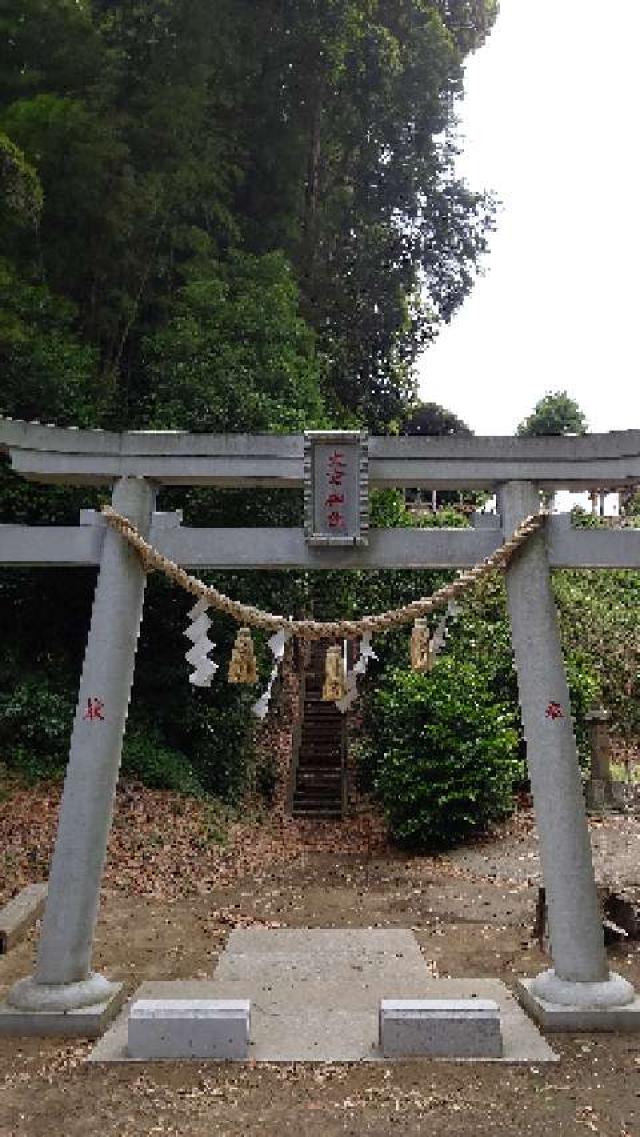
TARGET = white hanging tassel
x,y
366,653
198,655
441,632
277,645
359,668
439,636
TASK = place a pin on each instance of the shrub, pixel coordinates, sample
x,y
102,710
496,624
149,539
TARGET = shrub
x,y
482,630
35,726
147,757
446,754
584,693
599,620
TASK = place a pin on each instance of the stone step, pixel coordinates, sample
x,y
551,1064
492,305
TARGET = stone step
x,y
312,738
315,759
317,814
317,803
327,773
325,738
325,726
320,760
319,781
312,792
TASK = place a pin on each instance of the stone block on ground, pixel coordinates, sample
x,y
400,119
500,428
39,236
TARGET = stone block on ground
x,y
189,1028
20,913
440,1028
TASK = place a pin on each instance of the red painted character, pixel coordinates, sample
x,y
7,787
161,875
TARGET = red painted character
x,y
336,520
554,711
337,458
335,499
337,468
94,710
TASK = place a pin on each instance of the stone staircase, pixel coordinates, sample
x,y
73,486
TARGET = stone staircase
x,y
319,766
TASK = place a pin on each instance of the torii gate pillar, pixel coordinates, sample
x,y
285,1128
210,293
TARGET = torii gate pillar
x,y
580,979
63,980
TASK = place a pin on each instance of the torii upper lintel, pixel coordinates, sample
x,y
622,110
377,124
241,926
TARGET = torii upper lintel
x,y
98,457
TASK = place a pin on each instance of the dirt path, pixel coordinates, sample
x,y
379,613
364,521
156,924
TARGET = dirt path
x,y
167,913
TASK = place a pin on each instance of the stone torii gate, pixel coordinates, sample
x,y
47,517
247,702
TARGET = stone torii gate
x,y
65,995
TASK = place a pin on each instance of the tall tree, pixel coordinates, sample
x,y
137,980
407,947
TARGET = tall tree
x,y
432,419
353,171
169,135
556,413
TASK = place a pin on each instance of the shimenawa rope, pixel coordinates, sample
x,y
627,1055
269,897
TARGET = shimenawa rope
x,y
317,629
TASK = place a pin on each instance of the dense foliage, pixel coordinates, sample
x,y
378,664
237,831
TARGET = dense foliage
x,y
556,413
599,619
446,753
481,629
215,215
432,419
419,729
167,166
223,215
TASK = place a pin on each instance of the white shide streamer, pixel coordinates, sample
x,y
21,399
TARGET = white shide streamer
x,y
277,645
441,629
198,655
359,668
367,653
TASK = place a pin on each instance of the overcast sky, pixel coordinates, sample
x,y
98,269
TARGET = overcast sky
x,y
551,118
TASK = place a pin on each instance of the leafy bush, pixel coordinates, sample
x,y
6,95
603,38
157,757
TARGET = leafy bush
x,y
446,754
482,629
584,694
35,725
147,757
217,741
266,778
599,620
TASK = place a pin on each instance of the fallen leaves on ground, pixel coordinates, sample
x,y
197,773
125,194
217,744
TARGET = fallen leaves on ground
x,y
167,846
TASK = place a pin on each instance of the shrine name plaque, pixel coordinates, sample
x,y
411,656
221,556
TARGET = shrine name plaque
x,y
336,490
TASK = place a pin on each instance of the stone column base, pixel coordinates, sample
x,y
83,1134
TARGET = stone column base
x,y
581,1015
70,1010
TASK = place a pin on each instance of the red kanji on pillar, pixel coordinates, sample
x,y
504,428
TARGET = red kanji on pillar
x,y
94,710
554,711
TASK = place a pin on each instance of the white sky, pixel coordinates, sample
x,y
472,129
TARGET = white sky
x,y
551,118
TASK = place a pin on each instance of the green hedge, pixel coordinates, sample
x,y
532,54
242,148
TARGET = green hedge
x,y
35,724
445,753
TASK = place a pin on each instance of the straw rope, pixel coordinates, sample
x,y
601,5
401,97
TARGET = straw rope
x,y
316,629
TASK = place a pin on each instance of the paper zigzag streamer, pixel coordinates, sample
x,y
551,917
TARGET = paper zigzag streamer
x,y
277,646
441,630
198,655
359,668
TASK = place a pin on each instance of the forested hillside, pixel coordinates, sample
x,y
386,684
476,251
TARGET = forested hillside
x,y
222,214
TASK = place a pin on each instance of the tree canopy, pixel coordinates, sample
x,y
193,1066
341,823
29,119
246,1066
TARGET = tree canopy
x,y
162,160
556,413
432,419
